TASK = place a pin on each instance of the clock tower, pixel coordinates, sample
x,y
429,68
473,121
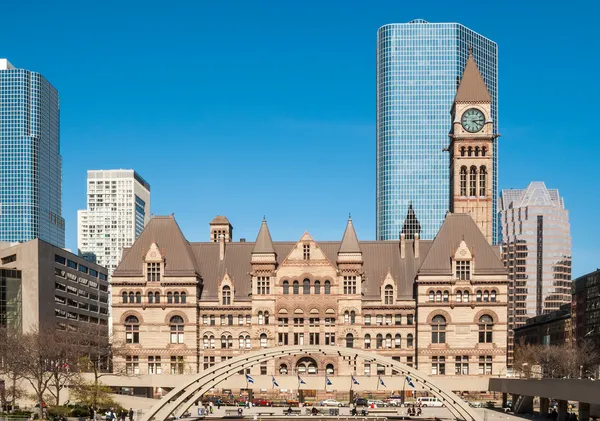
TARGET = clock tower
x,y
471,150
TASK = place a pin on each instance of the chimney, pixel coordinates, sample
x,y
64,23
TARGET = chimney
x,y
242,240
402,246
416,244
221,247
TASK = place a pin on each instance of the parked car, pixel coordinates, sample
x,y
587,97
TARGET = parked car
x,y
429,401
331,402
394,402
261,402
361,402
378,403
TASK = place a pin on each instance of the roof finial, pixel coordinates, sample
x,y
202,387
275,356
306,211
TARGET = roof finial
x,y
264,218
470,50
349,215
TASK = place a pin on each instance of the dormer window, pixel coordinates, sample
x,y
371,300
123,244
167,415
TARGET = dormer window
x,y
306,250
153,272
463,270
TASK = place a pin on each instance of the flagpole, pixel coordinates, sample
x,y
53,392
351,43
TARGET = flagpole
x,y
403,390
378,381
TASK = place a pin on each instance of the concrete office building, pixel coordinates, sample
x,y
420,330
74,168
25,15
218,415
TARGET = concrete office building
x,y
419,65
536,250
118,209
30,161
44,286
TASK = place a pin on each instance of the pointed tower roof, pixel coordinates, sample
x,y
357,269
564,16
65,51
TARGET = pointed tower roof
x,y
264,243
411,224
472,87
350,240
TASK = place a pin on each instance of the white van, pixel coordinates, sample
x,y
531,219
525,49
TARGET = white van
x,y
429,401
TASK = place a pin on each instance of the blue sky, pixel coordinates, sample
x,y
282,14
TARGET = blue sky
x,y
268,108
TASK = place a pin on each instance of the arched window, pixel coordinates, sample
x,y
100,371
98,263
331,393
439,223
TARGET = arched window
x,y
283,369
466,296
398,341
183,297
296,288
226,291
241,342
124,296
138,298
306,287
230,319
170,297
212,319
473,181
263,340
459,296
486,329
131,297
349,340
493,296
248,342
409,340
478,296
438,296
388,294
329,369
223,342
132,330
176,297
470,151
286,287
205,342
431,296
463,181
476,150
229,341
379,341
352,317
266,317
483,151
327,287
157,297
176,327
150,297
260,318
346,317
212,342
462,151
367,341
438,330
388,340
312,368
317,287
482,181
486,296
446,296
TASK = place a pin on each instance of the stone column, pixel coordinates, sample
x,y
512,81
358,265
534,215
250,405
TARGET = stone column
x,y
544,406
515,398
562,410
584,411
504,399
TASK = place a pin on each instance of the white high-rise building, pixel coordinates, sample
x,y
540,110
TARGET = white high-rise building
x,y
118,209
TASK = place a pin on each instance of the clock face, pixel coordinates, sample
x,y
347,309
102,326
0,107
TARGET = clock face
x,y
472,120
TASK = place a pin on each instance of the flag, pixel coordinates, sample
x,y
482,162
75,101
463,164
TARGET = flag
x,y
249,379
381,382
327,381
300,381
409,381
274,382
354,381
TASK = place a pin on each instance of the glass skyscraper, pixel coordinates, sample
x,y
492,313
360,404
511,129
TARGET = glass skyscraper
x,y
30,161
419,65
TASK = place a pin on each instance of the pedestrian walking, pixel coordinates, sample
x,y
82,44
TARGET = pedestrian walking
x,y
130,414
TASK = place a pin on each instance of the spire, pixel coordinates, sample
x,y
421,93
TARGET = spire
x,y
264,243
350,241
472,87
411,224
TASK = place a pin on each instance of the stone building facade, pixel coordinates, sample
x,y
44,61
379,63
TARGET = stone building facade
x,y
440,305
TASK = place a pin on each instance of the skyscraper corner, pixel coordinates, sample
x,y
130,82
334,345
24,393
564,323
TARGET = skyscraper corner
x,y
30,160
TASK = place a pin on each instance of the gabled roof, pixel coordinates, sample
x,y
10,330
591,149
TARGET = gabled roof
x,y
163,230
350,240
264,243
472,87
458,227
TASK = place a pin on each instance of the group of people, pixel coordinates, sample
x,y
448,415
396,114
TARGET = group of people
x,y
415,411
110,415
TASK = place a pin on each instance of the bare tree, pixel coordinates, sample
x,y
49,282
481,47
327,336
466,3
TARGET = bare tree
x,y
64,365
11,364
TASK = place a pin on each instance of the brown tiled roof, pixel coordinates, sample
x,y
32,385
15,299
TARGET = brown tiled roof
x,y
219,220
458,227
349,240
472,87
264,243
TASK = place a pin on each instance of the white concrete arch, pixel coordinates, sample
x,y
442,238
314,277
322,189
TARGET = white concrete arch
x,y
180,399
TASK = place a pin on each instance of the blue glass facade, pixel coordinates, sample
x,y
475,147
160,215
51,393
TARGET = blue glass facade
x,y
419,65
30,161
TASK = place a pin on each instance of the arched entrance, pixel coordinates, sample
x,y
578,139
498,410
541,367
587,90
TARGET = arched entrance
x,y
179,400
